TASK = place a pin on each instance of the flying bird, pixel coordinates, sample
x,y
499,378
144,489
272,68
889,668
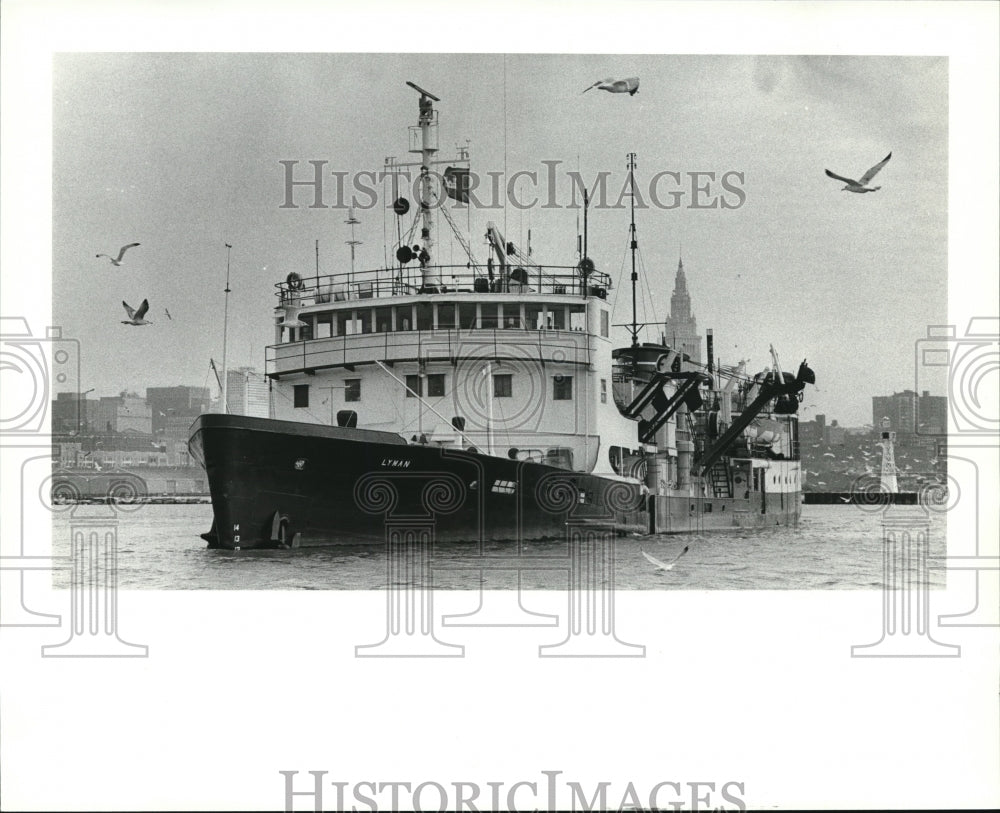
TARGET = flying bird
x,y
664,565
629,86
861,185
135,315
167,312
121,253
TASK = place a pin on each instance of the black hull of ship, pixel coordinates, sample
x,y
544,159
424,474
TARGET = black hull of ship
x,y
287,484
281,484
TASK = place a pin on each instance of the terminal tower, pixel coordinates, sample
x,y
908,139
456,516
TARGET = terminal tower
x,y
680,331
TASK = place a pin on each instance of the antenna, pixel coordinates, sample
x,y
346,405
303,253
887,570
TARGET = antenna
x,y
225,336
351,221
634,243
424,92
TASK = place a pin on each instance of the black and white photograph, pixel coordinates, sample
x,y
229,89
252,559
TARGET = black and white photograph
x,y
457,407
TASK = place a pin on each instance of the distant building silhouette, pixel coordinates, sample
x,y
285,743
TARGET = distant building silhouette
x,y
127,412
176,402
907,412
680,331
71,413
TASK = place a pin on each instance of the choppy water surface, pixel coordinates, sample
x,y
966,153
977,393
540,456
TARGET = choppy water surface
x,y
834,547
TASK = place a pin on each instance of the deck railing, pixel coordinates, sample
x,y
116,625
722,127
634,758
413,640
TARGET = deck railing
x,y
408,281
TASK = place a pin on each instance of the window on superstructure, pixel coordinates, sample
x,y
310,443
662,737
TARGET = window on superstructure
x,y
300,394
352,389
562,388
604,390
557,317
512,315
533,316
383,320
578,317
503,385
324,326
605,324
467,315
435,385
413,385
425,316
363,320
446,316
489,319
404,317
344,322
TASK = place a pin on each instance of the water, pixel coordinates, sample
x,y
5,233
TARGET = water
x,y
834,547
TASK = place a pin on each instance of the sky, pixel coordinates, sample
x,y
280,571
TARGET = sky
x,y
180,152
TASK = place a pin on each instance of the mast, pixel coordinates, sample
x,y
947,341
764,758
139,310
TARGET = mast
x,y
225,337
634,243
427,124
351,221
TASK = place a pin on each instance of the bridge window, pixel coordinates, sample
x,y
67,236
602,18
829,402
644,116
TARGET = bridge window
x,y
324,325
404,317
467,315
435,385
345,323
578,317
604,390
533,319
605,324
352,389
557,317
562,388
503,386
363,321
446,316
301,396
413,385
512,315
383,320
489,318
425,316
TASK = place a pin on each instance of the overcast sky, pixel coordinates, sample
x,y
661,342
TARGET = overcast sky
x,y
181,152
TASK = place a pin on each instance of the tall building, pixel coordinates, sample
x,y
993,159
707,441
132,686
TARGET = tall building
x,y
176,402
72,413
123,413
681,329
248,393
909,413
932,414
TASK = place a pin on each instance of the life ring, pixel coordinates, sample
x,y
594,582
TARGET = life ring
x,y
294,282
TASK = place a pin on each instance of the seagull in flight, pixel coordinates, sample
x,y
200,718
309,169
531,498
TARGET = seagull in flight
x,y
664,565
135,316
121,253
167,312
629,86
862,184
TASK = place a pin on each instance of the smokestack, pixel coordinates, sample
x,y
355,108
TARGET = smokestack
x,y
709,348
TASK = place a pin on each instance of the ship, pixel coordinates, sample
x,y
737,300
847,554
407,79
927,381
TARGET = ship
x,y
488,402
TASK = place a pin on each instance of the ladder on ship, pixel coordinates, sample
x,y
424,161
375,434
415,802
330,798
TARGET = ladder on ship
x,y
721,486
